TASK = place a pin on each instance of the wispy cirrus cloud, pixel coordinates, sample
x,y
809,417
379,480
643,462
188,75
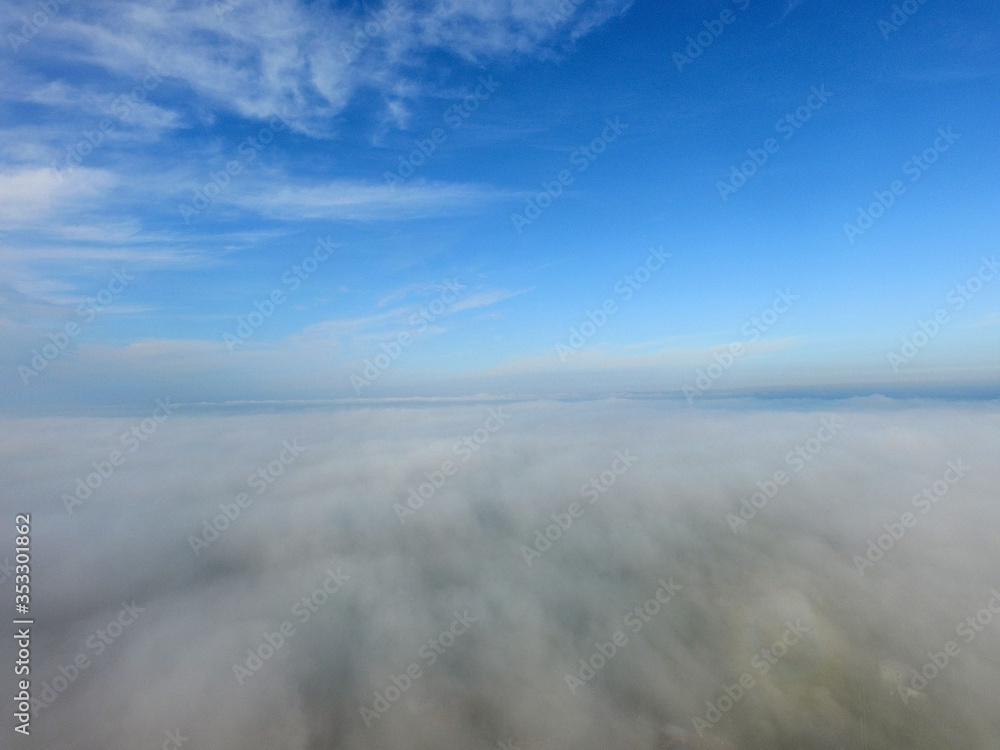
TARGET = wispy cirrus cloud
x,y
390,321
138,115
302,60
351,200
484,299
162,256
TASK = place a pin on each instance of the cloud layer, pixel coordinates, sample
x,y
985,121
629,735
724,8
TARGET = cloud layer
x,y
327,503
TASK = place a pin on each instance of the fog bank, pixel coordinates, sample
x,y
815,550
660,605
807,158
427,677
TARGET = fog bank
x,y
731,576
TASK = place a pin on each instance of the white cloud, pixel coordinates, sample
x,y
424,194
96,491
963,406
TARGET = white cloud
x,y
301,60
30,194
598,14
147,256
389,323
366,201
663,518
483,299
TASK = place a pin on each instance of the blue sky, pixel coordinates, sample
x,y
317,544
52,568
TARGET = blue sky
x,y
619,107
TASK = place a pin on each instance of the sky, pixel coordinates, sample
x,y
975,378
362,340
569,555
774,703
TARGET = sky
x,y
496,322
239,201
